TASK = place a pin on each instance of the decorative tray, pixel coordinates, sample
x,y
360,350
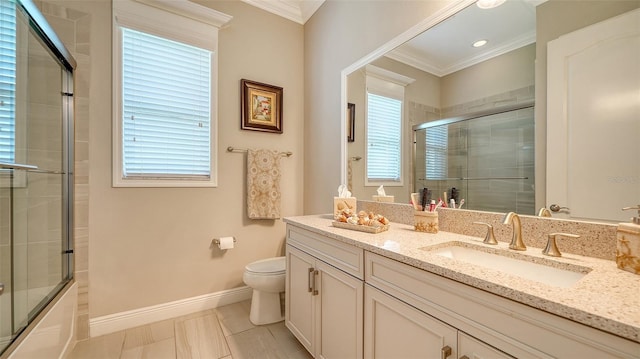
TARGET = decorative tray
x,y
360,227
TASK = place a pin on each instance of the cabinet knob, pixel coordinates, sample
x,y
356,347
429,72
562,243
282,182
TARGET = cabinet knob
x,y
446,352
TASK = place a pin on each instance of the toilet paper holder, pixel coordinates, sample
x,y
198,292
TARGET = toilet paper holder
x,y
216,241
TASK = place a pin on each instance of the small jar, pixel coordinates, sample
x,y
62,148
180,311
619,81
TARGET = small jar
x,y
426,221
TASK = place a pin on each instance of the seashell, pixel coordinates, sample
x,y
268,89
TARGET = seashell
x,y
383,220
371,215
362,214
340,206
352,220
342,218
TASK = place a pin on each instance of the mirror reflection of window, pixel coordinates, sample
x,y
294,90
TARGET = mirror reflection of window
x,y
7,82
384,124
436,158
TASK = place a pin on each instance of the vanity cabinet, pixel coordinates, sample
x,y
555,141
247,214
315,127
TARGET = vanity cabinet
x,y
395,329
486,323
324,295
345,302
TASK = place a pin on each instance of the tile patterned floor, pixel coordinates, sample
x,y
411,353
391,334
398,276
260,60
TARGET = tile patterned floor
x,y
224,332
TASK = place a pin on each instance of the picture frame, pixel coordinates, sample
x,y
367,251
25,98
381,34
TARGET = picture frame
x,y
351,122
261,106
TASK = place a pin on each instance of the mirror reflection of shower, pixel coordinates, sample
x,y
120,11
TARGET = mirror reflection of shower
x,y
485,158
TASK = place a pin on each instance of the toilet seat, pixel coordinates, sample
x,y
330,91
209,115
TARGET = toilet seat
x,y
269,266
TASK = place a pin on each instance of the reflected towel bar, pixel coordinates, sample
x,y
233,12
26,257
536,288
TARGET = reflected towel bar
x,y
472,178
233,149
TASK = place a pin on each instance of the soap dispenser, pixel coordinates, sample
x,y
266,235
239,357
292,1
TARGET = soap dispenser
x,y
628,243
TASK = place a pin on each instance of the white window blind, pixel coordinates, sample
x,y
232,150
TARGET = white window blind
x,y
166,109
436,144
7,81
384,126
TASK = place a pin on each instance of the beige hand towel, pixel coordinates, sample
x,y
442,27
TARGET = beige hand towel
x,y
263,184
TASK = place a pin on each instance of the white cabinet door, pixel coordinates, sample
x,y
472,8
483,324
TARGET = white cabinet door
x,y
339,311
593,119
323,307
395,330
299,303
472,348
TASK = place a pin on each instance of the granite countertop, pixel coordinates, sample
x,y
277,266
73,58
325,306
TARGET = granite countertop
x,y
607,298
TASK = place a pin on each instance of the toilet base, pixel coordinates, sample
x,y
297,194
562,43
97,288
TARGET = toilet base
x,y
265,308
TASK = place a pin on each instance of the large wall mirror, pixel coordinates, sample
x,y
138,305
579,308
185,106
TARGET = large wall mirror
x,y
472,117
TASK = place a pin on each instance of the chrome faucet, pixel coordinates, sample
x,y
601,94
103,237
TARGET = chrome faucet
x,y
516,239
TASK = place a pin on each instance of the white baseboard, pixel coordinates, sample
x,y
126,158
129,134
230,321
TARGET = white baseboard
x,y
124,320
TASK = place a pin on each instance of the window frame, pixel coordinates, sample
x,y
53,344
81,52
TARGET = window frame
x,y
191,24
382,93
386,83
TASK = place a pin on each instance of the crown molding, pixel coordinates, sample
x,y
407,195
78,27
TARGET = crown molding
x,y
424,65
388,76
295,10
191,10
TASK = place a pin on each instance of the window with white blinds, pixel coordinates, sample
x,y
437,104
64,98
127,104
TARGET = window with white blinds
x,y
165,76
436,144
7,81
384,133
166,109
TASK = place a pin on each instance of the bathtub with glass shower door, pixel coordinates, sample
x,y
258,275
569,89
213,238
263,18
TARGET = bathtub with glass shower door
x,y
36,137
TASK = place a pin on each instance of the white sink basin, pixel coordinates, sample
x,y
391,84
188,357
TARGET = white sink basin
x,y
515,264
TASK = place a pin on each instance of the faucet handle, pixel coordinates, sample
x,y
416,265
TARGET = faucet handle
x,y
552,249
544,212
489,238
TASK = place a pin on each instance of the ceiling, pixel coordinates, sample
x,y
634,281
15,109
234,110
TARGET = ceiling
x,y
447,47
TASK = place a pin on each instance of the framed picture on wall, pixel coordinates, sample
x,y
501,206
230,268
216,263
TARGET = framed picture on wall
x,y
261,107
351,122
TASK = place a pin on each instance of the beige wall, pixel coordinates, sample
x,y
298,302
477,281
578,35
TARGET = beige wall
x,y
338,34
148,246
507,72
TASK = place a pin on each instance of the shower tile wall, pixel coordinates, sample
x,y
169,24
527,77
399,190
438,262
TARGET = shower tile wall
x,y
74,29
500,146
513,97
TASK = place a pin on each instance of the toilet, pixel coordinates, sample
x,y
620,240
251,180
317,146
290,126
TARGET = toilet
x,y
266,277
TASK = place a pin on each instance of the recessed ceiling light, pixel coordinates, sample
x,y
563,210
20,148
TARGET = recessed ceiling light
x,y
489,4
480,43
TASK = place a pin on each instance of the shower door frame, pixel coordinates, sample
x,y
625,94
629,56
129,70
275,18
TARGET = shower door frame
x,y
41,29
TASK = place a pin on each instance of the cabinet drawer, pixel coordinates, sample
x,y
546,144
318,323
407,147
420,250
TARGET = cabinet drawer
x,y
340,255
514,328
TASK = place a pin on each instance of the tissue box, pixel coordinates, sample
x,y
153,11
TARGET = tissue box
x,y
628,247
383,198
340,204
426,221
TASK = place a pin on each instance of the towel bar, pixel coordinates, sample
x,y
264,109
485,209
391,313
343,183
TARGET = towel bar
x,y
233,149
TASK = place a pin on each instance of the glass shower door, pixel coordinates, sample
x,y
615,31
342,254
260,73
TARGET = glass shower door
x,y
35,215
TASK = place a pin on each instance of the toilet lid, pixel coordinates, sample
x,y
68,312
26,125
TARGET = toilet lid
x,y
269,265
